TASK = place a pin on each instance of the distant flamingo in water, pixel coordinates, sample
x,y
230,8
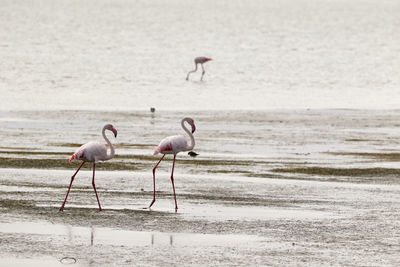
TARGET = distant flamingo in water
x,y
173,145
201,61
92,152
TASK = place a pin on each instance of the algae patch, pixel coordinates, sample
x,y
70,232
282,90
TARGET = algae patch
x,y
120,162
64,164
378,156
15,204
359,140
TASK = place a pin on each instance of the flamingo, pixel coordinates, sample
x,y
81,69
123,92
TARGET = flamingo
x,y
173,145
92,152
201,61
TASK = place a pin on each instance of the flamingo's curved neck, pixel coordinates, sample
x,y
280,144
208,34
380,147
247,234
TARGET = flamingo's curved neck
x,y
192,143
112,152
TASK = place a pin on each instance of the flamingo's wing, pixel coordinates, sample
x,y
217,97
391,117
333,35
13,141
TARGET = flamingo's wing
x,y
92,152
172,145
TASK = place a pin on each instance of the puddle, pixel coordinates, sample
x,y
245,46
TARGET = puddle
x,y
43,262
110,236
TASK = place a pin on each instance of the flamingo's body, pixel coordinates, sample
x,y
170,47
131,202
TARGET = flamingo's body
x,y
92,152
173,145
201,61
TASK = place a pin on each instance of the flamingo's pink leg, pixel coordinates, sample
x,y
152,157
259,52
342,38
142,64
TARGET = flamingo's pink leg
x,y
154,181
94,187
203,72
72,179
173,186
187,77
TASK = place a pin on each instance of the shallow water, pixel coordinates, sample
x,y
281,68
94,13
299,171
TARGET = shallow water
x,y
110,236
125,55
232,221
234,207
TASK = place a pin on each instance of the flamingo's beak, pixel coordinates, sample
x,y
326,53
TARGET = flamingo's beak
x,y
72,158
114,131
208,59
193,128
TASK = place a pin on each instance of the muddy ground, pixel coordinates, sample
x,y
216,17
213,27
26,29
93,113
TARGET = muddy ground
x,y
324,200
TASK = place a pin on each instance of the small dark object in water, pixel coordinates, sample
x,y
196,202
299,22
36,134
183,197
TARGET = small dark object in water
x,y
153,109
192,154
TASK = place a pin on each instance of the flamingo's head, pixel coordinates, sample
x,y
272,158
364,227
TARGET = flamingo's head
x,y
208,59
72,158
191,123
111,128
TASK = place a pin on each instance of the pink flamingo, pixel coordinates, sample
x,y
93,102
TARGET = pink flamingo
x,y
201,61
92,152
173,145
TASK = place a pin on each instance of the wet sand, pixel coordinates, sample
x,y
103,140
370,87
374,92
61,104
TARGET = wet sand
x,y
275,206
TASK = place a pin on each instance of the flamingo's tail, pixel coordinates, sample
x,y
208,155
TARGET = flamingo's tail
x,y
72,158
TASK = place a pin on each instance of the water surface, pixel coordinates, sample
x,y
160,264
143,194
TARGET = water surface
x,y
125,55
